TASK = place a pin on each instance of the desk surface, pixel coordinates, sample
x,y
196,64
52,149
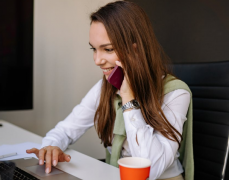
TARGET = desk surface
x,y
81,166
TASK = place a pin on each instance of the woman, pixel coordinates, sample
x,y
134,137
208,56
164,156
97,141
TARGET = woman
x,y
121,34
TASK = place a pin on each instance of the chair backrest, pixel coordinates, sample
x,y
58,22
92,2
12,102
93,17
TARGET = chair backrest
x,y
209,83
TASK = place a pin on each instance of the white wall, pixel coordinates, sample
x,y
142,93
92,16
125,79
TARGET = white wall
x,y
64,69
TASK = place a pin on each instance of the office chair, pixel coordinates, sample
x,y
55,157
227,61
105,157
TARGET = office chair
x,y
209,83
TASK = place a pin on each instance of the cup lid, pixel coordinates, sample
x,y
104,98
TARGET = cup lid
x,y
134,162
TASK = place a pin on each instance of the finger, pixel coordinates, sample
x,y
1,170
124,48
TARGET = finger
x,y
55,155
64,157
48,160
33,150
67,157
118,63
41,156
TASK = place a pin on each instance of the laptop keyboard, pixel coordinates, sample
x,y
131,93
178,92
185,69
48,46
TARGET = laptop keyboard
x,y
8,171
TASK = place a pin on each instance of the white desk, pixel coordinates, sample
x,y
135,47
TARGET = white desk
x,y
81,166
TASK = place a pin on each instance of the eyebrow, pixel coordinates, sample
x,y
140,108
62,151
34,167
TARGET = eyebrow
x,y
103,45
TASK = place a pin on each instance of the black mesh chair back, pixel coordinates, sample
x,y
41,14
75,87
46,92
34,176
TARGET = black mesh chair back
x,y
209,83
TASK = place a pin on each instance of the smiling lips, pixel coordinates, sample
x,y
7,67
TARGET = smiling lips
x,y
107,71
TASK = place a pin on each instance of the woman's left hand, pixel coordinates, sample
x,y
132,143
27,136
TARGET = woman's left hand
x,y
125,90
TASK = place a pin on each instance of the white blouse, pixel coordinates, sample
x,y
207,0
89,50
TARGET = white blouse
x,y
162,152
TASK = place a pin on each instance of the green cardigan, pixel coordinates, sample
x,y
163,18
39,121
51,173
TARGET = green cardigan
x,y
186,148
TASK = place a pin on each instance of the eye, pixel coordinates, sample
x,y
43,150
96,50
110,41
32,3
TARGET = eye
x,y
93,49
109,50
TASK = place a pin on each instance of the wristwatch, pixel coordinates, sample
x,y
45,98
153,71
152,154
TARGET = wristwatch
x,y
133,104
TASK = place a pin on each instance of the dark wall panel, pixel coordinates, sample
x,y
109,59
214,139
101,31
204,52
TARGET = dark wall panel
x,y
191,31
16,54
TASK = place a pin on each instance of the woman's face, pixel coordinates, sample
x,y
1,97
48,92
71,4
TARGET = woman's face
x,y
103,51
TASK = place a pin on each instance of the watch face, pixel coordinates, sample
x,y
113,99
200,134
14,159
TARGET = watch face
x,y
135,103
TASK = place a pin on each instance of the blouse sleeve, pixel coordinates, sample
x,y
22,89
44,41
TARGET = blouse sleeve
x,y
76,123
151,144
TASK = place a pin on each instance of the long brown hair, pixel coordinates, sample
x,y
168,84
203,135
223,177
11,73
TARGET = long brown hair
x,y
126,24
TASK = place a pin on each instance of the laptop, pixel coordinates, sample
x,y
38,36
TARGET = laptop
x,y
29,169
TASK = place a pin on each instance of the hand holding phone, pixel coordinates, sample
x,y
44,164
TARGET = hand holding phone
x,y
116,77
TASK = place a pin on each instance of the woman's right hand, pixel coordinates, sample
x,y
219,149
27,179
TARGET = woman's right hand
x,y
51,154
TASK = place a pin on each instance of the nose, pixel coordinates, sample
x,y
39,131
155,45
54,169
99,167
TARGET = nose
x,y
98,58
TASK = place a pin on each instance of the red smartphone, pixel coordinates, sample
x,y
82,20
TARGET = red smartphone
x,y
116,77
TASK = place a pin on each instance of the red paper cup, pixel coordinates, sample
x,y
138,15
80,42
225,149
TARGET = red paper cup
x,y
134,168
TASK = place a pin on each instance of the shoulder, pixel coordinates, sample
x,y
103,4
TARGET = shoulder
x,y
91,99
180,95
97,86
95,90
171,84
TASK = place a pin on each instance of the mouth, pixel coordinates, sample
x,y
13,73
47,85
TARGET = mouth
x,y
107,71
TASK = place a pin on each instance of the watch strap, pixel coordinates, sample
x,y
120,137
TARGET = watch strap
x,y
133,104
